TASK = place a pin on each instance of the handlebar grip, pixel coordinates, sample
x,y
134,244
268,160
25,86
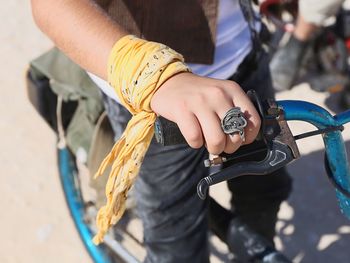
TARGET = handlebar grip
x,y
167,132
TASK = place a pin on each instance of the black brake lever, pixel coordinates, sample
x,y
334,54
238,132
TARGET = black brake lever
x,y
278,155
281,148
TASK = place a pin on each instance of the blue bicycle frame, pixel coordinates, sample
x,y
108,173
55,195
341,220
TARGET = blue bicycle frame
x,y
333,141
76,205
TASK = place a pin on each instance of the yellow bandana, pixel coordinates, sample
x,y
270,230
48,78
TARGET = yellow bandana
x,y
136,69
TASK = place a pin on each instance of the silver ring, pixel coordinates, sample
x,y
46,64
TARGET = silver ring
x,y
234,122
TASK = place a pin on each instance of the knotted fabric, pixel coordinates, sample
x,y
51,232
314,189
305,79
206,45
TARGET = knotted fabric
x,y
136,69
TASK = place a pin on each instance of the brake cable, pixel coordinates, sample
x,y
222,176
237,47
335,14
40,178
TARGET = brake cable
x,y
317,132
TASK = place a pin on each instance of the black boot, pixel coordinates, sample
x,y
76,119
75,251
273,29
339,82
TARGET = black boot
x,y
285,64
249,246
245,244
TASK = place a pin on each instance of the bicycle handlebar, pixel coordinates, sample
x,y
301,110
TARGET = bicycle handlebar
x,y
334,144
337,165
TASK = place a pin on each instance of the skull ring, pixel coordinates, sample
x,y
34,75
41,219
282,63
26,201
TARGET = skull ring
x,y
234,122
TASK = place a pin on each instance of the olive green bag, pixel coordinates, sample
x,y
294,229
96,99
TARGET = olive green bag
x,y
66,97
71,83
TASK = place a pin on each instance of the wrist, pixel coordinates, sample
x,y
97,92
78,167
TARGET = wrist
x,y
137,68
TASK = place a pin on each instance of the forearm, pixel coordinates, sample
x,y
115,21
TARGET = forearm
x,y
86,36
304,30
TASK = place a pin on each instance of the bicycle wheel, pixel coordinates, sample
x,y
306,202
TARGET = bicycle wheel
x,y
111,250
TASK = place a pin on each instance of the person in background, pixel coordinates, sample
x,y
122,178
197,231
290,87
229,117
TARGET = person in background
x,y
285,64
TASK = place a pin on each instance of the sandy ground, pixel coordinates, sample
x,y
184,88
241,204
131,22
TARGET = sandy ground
x,y
35,223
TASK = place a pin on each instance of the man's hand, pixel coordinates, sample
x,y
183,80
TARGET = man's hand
x,y
197,104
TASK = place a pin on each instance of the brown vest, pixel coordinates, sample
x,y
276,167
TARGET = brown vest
x,y
188,26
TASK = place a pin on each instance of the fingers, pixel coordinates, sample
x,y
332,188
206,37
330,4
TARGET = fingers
x,y
191,130
231,95
209,112
213,135
205,126
240,99
232,141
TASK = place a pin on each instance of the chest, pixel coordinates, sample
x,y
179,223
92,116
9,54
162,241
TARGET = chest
x,y
188,26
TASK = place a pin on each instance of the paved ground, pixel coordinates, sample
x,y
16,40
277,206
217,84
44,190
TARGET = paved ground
x,y
35,224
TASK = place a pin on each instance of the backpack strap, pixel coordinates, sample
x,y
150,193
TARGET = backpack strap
x,y
252,19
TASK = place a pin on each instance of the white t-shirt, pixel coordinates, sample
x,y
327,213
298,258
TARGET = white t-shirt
x,y
233,43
